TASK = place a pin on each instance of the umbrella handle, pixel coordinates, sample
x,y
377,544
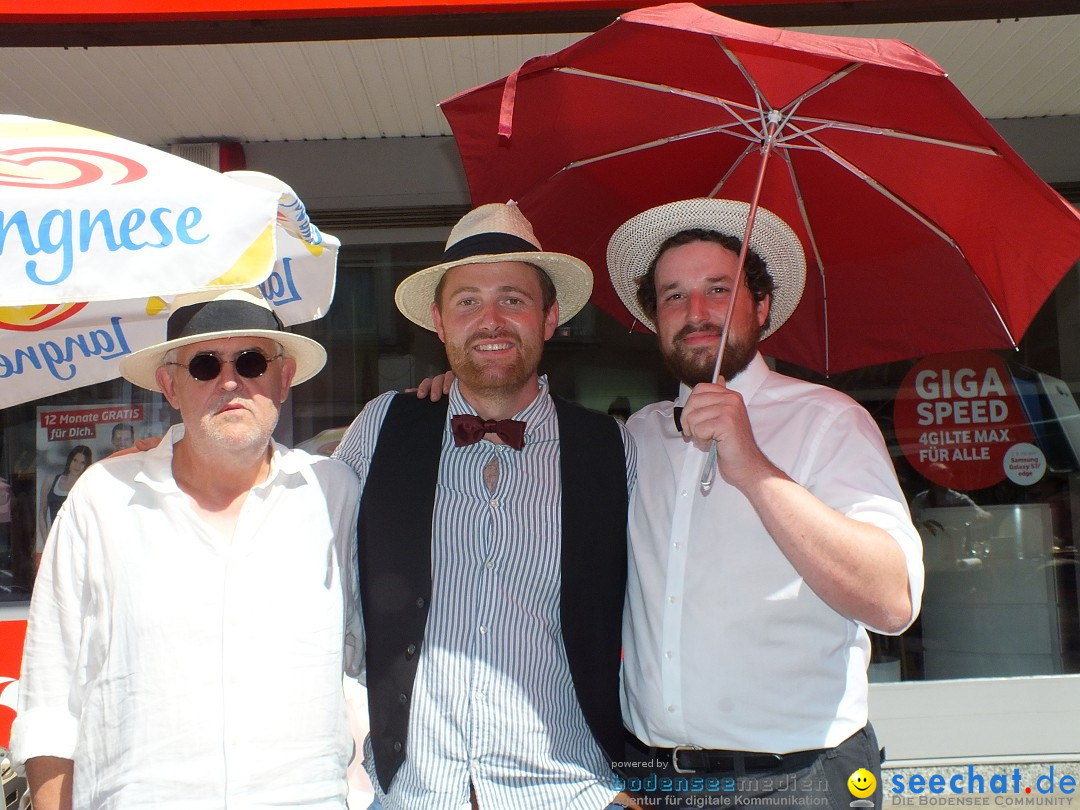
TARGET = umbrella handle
x,y
708,472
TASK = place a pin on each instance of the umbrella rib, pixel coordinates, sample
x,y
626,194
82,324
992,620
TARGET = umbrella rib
x,y
885,192
727,104
751,147
821,124
629,150
800,200
805,215
753,85
833,78
993,305
764,108
735,109
770,120
760,111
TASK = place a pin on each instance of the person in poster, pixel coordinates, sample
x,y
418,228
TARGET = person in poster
x,y
55,491
69,439
123,436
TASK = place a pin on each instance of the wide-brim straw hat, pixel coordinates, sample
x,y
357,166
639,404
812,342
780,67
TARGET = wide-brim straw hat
x,y
496,232
634,245
214,314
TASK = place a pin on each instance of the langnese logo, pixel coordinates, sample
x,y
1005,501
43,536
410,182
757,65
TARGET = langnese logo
x,y
977,789
37,317
59,168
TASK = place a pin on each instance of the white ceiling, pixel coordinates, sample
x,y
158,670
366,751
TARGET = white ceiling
x,y
389,87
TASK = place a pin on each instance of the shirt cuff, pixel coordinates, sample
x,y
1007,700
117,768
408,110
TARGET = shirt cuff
x,y
42,733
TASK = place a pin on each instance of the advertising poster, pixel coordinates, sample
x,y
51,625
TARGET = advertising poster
x,y
71,437
961,423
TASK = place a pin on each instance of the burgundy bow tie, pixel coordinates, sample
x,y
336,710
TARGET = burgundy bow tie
x,y
469,429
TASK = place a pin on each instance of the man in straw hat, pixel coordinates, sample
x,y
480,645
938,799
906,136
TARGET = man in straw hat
x,y
492,546
748,603
188,628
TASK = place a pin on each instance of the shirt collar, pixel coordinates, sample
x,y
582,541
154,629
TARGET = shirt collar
x,y
156,470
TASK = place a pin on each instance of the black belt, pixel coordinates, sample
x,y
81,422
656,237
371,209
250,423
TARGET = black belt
x,y
691,759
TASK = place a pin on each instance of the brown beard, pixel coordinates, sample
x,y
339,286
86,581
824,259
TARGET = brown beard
x,y
693,366
499,379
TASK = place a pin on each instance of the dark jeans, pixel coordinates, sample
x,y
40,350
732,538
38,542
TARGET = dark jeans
x,y
821,784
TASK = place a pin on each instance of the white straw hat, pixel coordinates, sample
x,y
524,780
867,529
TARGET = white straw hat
x,y
634,245
496,232
214,314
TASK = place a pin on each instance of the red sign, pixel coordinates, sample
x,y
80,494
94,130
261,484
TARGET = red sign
x,y
131,10
11,645
81,423
957,416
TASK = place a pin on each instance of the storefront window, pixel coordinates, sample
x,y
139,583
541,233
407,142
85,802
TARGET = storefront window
x,y
44,447
1001,592
987,448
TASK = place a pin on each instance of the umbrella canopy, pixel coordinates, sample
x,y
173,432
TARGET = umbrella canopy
x,y
924,231
98,234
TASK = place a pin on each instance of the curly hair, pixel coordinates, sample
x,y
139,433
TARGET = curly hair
x,y
755,274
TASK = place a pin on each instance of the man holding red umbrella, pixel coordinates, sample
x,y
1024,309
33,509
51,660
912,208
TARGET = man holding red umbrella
x,y
748,602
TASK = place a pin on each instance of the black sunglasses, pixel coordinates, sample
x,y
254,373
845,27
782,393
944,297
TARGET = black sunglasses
x,y
207,366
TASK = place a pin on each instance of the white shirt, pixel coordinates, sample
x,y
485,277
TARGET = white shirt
x,y
179,668
725,645
493,702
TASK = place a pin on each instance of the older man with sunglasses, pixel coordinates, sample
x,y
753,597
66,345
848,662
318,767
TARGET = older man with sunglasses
x,y
193,612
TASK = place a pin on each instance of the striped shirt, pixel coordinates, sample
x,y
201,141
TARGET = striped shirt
x,y
494,704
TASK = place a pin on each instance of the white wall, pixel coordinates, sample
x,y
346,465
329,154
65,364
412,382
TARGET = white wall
x,y
1051,146
384,173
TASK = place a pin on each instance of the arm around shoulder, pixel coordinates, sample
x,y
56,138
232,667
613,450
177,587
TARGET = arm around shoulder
x,y
357,446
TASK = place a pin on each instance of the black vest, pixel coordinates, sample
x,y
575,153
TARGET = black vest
x,y
394,547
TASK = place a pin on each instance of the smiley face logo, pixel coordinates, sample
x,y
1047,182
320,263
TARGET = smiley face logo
x,y
861,783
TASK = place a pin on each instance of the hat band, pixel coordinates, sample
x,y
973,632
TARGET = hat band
x,y
220,315
487,244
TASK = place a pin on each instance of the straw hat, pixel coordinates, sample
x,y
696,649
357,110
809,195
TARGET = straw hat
x,y
496,232
634,245
214,314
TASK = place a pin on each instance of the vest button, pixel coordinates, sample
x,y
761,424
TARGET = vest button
x,y
397,746
403,698
410,651
420,602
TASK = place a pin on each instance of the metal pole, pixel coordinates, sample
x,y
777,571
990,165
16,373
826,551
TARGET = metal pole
x,y
708,473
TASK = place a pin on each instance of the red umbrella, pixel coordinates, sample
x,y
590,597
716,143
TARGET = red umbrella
x,y
924,231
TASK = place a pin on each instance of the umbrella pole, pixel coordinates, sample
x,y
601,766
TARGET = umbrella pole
x,y
708,473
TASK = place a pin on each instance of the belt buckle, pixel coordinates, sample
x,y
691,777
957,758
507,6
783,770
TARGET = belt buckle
x,y
675,757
